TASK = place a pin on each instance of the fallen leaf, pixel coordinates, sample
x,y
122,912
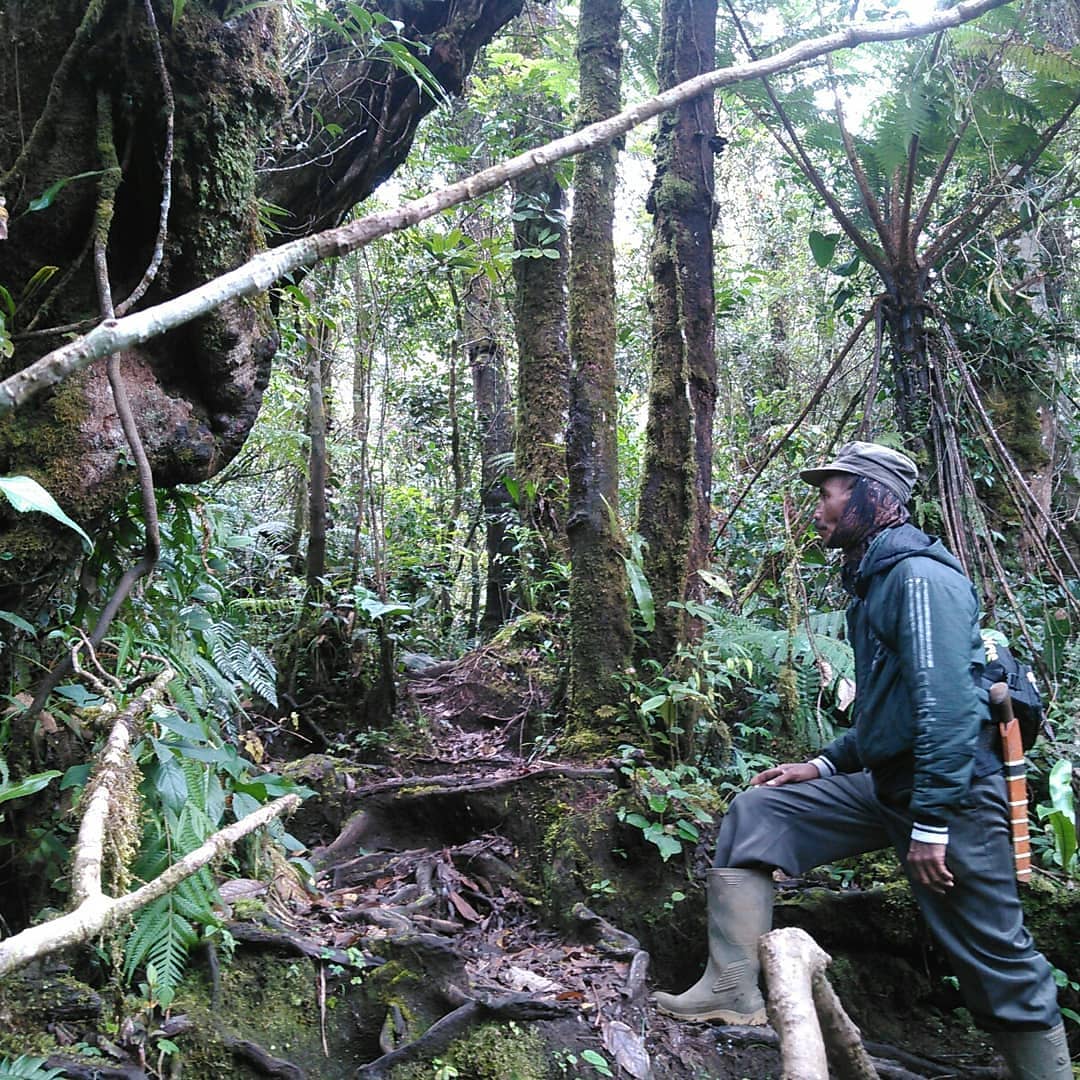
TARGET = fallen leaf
x,y
627,1047
523,979
465,909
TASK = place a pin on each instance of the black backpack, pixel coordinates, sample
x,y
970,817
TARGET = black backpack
x,y
1027,702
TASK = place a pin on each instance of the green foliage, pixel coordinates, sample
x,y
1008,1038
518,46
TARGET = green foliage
x,y
673,802
26,494
25,1067
1059,818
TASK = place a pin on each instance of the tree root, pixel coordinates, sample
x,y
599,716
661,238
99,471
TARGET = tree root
x,y
884,1068
286,941
78,1069
608,939
444,1031
262,1060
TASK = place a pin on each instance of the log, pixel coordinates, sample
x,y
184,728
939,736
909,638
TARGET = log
x,y
806,1013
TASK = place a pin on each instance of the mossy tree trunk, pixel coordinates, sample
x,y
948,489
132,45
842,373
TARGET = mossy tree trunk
x,y
540,315
601,639
674,507
317,346
482,323
198,388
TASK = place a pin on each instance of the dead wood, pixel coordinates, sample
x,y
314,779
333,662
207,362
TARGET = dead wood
x,y
634,988
886,1069
426,786
262,1059
289,942
80,1070
446,1030
607,938
806,1014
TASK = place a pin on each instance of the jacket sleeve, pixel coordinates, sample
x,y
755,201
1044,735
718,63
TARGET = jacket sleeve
x,y
842,754
934,617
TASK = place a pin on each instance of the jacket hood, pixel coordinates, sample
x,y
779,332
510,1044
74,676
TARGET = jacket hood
x,y
896,544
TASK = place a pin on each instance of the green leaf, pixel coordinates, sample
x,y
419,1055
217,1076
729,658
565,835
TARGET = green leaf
x,y
185,728
17,620
667,845
639,586
75,777
170,782
25,494
48,196
597,1061
28,785
823,246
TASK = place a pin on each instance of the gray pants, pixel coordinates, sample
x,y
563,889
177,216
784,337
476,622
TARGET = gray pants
x,y
979,922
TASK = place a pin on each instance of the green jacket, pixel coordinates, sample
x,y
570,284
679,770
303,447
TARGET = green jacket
x,y
914,625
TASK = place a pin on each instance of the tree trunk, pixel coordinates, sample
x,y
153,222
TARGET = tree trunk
x,y
673,514
541,328
491,398
363,360
315,342
200,387
600,637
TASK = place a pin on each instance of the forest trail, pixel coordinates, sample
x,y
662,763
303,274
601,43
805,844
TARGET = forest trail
x,y
430,895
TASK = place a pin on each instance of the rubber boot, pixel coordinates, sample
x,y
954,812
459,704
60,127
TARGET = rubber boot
x,y
1035,1055
739,912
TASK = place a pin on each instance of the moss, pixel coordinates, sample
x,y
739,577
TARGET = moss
x,y
676,195
488,1052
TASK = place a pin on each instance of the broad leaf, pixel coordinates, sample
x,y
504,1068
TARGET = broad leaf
x,y
25,494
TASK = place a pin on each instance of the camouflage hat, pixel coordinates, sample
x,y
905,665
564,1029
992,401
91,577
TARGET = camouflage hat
x,y
889,467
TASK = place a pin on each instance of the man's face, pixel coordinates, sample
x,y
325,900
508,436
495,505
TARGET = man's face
x,y
833,498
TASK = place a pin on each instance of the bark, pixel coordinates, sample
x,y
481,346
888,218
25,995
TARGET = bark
x,y
200,388
491,399
541,327
806,1013
600,637
355,113
315,343
673,511
363,362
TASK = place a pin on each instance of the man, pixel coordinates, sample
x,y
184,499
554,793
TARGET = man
x,y
918,770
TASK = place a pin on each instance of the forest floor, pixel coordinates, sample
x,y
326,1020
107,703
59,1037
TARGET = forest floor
x,y
436,852
443,938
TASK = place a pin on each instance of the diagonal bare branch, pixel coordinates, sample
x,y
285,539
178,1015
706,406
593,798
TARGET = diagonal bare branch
x,y
259,273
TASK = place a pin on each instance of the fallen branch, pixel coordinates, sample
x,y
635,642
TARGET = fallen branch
x,y
99,912
806,1013
285,941
259,273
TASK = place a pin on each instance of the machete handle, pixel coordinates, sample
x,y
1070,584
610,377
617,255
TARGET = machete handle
x,y
1001,703
1012,753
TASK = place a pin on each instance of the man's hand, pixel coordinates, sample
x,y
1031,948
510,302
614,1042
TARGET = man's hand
x,y
786,774
927,865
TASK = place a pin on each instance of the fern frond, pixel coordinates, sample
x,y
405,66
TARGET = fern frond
x,y
162,937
